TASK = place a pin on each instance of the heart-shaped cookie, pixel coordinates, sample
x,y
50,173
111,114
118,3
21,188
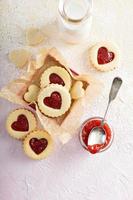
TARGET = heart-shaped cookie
x,y
21,124
54,101
104,56
32,93
38,145
77,90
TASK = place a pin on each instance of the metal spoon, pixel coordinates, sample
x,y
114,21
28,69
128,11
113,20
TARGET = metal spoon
x,y
97,134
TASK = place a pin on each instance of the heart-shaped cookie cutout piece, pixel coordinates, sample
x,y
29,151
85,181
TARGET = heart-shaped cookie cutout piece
x,y
38,145
21,124
54,101
19,57
77,90
104,56
34,36
32,93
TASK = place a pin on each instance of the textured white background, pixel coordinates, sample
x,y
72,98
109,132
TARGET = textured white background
x,y
71,173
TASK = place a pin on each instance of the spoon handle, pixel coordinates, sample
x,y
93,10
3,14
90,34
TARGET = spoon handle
x,y
116,84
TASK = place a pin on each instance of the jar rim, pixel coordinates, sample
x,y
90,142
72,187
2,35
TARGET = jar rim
x,y
74,21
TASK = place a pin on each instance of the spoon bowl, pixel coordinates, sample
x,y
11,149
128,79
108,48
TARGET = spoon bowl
x,y
97,136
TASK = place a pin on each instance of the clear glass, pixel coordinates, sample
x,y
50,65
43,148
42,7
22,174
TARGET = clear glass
x,y
80,134
75,19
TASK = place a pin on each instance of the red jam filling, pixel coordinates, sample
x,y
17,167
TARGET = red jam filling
x,y
38,145
104,56
21,124
54,101
86,131
54,78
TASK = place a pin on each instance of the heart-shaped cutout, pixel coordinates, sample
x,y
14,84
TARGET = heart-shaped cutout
x,y
32,93
77,90
21,124
104,56
54,101
56,79
38,145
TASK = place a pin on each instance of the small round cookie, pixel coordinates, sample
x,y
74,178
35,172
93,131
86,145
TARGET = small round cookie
x,y
56,75
20,122
38,145
54,100
104,56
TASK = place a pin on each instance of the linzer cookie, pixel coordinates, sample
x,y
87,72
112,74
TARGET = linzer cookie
x,y
54,100
38,145
20,122
56,75
104,56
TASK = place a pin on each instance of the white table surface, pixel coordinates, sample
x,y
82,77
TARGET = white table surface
x,y
71,173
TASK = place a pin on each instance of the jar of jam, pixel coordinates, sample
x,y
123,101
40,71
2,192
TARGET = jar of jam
x,y
96,142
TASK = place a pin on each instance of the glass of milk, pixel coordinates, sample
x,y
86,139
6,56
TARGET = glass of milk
x,y
75,19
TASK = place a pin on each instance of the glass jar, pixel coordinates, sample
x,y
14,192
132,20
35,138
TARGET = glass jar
x,y
74,20
98,143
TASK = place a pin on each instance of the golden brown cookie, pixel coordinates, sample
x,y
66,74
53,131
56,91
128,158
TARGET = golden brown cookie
x,y
54,100
104,56
20,122
38,145
56,75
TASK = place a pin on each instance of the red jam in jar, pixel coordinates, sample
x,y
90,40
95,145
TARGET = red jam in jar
x,y
86,135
